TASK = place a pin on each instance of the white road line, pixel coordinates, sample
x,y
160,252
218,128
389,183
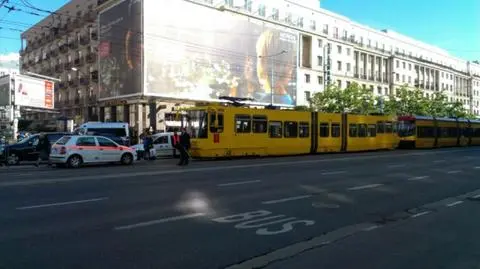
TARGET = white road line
x,y
333,173
363,187
159,221
418,178
420,214
63,203
476,196
238,183
476,167
454,203
371,228
288,199
454,172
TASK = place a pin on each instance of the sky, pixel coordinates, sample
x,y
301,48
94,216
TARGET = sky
x,y
451,25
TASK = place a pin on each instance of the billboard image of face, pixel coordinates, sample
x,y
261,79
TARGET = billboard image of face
x,y
198,53
120,50
34,92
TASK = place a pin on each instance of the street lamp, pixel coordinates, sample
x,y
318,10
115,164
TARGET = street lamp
x,y
273,66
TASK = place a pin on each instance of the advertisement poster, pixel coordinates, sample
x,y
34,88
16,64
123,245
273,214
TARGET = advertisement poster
x,y
33,92
5,94
195,52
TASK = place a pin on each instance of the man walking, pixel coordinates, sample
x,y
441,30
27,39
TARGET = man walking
x,y
43,149
184,146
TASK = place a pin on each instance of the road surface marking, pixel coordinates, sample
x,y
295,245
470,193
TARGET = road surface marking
x,y
420,214
371,228
418,178
158,221
439,161
454,203
454,172
476,167
476,196
333,173
396,165
363,187
63,203
288,199
216,168
238,183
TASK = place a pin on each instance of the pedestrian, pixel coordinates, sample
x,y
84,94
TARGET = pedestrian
x,y
43,148
184,147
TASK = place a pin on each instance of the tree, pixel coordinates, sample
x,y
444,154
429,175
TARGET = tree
x,y
353,99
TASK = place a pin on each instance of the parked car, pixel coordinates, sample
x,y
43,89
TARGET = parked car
x,y
163,144
25,150
76,150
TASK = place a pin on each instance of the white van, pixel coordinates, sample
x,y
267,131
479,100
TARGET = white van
x,y
163,145
117,131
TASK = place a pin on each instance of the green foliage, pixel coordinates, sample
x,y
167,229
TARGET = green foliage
x,y
406,101
302,108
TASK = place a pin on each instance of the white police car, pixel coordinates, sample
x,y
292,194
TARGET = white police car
x,y
76,150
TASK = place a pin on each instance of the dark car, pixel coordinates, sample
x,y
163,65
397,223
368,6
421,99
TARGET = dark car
x,y
25,150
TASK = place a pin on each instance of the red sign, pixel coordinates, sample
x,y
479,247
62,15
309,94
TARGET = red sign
x,y
104,49
216,138
48,94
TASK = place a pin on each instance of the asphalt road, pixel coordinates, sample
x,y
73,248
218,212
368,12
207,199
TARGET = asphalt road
x,y
332,211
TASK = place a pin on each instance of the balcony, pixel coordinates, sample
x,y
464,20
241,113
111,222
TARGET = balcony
x,y
68,66
63,48
85,81
91,57
73,44
94,76
78,62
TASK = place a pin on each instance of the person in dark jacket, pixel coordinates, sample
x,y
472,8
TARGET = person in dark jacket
x,y
183,147
43,149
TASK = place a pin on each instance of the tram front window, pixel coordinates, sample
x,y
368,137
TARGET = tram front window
x,y
197,123
406,128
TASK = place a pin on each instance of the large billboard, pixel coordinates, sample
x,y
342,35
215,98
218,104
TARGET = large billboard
x,y
33,92
5,91
196,52
120,50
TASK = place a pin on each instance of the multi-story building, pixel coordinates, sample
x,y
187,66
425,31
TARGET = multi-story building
x,y
331,49
64,46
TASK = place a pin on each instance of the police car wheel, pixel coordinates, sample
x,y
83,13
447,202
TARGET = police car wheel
x,y
74,161
126,159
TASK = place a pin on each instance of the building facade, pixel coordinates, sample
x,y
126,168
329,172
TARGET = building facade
x,y
331,49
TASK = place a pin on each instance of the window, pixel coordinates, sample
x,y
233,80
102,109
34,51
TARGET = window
x,y
339,49
352,130
291,129
339,65
303,129
362,130
104,142
388,127
219,118
348,51
307,78
220,122
372,130
88,141
324,129
410,67
259,124
423,131
313,25
320,43
348,67
409,79
320,79
403,78
275,129
397,77
335,129
161,140
379,90
398,64
64,140
118,132
380,127
243,123
319,60
404,65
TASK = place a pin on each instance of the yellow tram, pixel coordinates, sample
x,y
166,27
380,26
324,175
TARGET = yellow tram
x,y
228,131
430,132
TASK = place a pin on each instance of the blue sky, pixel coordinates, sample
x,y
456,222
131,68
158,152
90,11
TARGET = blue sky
x,y
452,25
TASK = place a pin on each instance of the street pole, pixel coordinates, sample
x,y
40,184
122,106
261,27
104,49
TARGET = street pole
x,y
272,81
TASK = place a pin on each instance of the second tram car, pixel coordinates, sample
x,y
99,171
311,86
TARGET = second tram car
x,y
228,131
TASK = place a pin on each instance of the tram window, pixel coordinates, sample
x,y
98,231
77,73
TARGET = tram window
x,y
213,116
362,130
372,130
220,122
352,130
324,129
275,129
395,127
243,123
291,129
304,129
259,124
335,129
425,132
380,127
388,127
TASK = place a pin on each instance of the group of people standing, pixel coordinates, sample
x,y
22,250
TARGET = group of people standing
x,y
180,142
